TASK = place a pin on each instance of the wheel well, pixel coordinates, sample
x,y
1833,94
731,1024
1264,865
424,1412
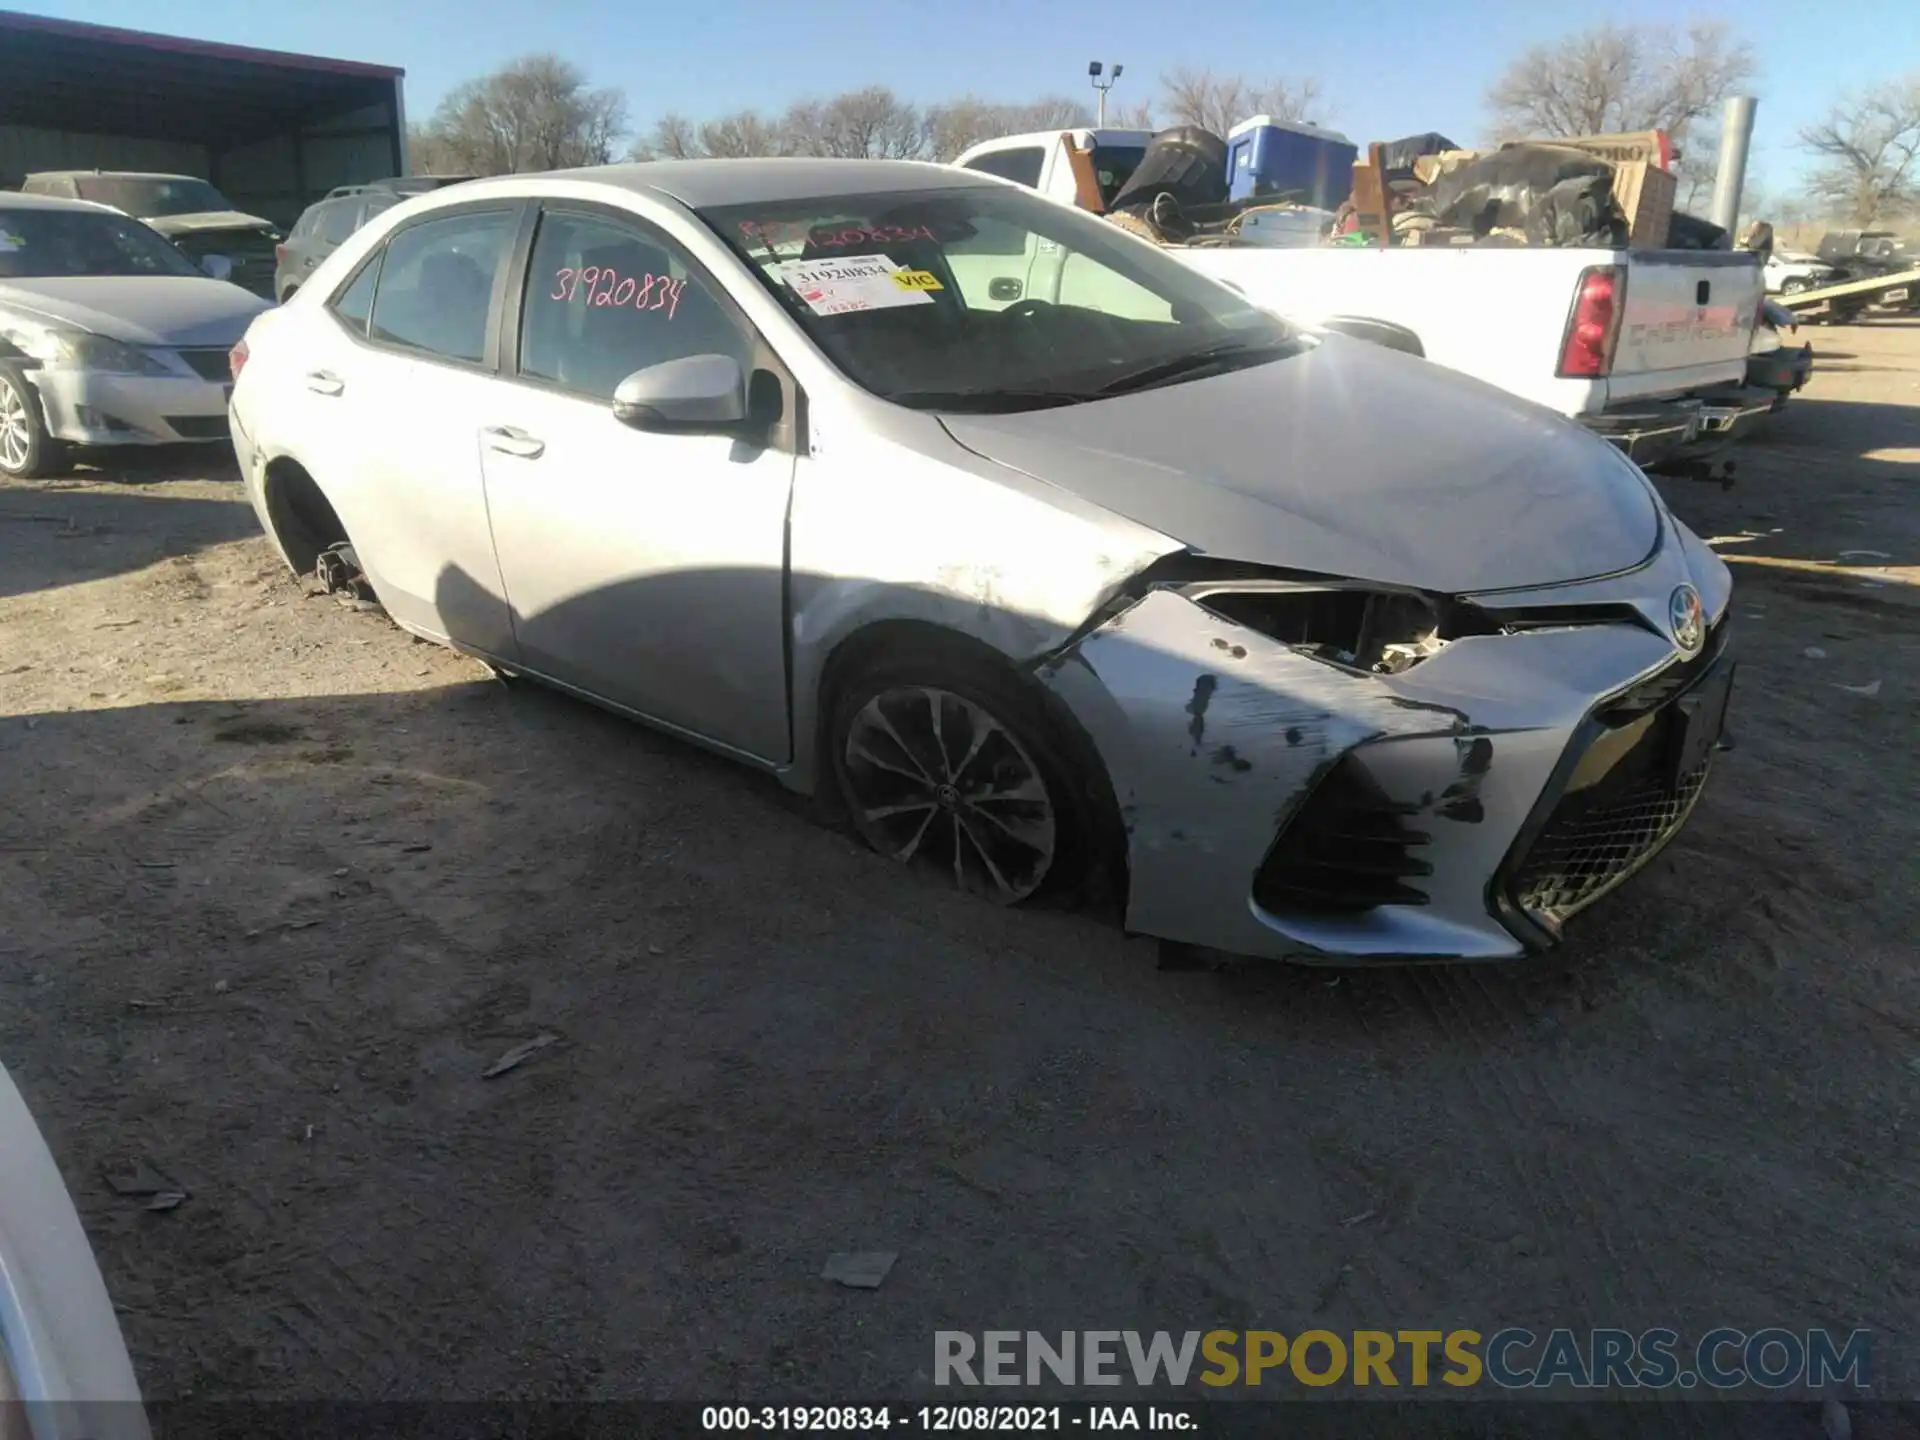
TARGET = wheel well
x,y
289,293
303,521
884,637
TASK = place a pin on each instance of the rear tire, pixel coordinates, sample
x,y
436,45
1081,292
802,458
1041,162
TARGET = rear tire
x,y
27,451
949,763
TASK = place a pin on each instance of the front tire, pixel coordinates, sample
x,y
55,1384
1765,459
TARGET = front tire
x,y
1795,284
954,766
27,451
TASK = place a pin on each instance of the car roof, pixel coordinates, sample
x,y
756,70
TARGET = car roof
x,y
772,179
16,200
109,175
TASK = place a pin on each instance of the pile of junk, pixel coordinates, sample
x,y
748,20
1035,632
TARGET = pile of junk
x,y
1273,183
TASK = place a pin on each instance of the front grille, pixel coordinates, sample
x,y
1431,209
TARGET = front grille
x,y
1348,848
199,427
1599,836
208,364
1650,694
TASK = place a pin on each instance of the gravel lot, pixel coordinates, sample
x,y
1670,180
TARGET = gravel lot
x,y
277,883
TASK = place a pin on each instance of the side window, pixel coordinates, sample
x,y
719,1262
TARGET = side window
x,y
605,298
338,220
1022,165
437,281
991,237
355,303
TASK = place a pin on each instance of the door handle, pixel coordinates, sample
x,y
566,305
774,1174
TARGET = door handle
x,y
510,441
325,382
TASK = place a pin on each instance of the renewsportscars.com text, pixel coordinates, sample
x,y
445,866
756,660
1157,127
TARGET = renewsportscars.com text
x,y
1511,1359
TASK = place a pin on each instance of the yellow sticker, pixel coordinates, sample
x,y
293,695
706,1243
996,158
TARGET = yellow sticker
x,y
917,280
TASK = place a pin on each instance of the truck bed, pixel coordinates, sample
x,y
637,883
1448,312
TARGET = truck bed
x,y
1501,313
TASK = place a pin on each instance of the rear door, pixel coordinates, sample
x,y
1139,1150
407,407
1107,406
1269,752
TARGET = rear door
x,y
1688,322
394,395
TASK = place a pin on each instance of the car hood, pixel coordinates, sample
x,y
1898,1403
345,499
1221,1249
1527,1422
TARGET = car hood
x,y
1348,460
207,220
140,309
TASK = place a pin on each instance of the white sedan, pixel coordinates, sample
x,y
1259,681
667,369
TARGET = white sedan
x,y
109,336
1308,647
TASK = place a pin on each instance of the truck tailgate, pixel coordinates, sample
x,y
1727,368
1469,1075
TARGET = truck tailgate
x,y
1689,320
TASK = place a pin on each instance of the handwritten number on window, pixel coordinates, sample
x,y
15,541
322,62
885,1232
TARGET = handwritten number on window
x,y
601,285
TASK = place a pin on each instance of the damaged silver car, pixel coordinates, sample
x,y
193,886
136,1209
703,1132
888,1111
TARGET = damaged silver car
x,y
1046,562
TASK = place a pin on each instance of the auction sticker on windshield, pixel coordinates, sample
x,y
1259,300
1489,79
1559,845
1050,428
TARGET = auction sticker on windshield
x,y
856,282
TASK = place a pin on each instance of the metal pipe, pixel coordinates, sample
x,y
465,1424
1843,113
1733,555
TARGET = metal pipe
x,y
1736,134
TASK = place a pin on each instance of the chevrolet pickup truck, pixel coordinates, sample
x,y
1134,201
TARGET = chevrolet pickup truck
x,y
1647,348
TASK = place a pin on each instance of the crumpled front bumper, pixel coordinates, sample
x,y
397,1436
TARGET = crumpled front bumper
x,y
1215,738
86,407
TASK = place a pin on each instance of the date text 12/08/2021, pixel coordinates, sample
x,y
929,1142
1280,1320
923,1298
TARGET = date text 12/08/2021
x,y
946,1419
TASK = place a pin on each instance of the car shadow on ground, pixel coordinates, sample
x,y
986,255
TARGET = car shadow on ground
x,y
52,536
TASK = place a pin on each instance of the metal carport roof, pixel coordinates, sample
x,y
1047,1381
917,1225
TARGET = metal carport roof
x,y
64,75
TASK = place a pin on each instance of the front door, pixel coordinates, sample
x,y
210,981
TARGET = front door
x,y
645,569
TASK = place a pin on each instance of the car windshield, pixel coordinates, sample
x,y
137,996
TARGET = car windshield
x,y
986,297
52,243
148,196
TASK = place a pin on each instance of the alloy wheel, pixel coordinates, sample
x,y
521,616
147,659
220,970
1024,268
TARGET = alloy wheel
x,y
16,434
936,781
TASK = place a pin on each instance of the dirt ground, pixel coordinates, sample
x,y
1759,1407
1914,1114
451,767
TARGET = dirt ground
x,y
277,883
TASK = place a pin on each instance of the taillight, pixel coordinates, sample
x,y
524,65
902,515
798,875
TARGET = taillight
x,y
1586,351
237,359
279,254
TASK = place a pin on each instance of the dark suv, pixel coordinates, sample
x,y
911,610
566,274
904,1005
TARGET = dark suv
x,y
323,226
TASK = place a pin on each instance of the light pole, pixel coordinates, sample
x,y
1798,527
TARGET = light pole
x,y
1093,73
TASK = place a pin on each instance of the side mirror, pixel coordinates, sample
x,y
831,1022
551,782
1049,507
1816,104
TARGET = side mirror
x,y
693,395
218,267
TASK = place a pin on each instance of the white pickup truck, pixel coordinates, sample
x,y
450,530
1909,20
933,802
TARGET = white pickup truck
x,y
1645,347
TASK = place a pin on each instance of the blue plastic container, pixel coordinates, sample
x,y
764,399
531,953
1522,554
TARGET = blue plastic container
x,y
1267,157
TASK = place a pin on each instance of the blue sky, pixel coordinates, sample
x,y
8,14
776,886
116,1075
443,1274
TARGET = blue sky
x,y
1389,67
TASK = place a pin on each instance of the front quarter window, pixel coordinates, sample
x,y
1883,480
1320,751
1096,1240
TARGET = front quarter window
x,y
982,297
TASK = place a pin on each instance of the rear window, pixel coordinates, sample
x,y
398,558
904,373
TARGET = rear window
x,y
1021,166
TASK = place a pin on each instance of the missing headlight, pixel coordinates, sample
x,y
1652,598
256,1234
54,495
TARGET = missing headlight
x,y
1381,631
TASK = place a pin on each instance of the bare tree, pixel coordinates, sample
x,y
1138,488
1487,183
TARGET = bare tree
x,y
954,125
868,124
673,137
533,114
1870,152
1218,102
1625,77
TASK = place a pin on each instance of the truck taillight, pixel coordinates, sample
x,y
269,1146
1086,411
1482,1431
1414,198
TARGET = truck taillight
x,y
237,359
1593,328
279,254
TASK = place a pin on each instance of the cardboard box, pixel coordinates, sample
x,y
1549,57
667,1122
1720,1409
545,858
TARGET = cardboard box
x,y
1652,146
1645,194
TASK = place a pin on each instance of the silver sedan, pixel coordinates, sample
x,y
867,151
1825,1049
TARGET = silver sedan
x,y
1048,562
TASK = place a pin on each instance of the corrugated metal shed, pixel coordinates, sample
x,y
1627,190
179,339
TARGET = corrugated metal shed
x,y
273,130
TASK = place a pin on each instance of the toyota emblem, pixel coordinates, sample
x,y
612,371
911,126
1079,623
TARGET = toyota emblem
x,y
1687,619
